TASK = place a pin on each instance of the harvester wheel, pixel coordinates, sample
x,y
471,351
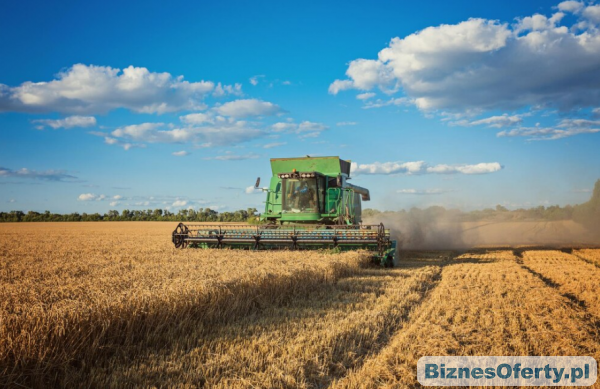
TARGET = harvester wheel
x,y
179,236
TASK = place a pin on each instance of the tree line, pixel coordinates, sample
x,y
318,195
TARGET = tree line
x,y
587,213
200,215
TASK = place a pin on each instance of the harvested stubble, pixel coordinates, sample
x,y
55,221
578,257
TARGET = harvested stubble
x,y
485,304
307,343
573,277
72,294
590,255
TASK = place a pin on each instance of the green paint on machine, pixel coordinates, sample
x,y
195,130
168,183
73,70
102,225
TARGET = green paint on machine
x,y
309,205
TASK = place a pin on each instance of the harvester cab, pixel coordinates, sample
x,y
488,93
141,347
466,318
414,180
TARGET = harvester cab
x,y
309,205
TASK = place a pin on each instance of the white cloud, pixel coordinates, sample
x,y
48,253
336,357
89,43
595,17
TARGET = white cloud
x,y
254,80
388,168
592,13
222,90
45,175
422,191
12,201
179,203
114,203
480,168
91,197
86,197
99,89
248,107
399,101
279,127
565,128
341,124
570,6
547,133
68,122
305,129
117,197
223,132
274,144
420,167
197,118
493,121
180,153
365,96
339,85
125,145
307,126
486,65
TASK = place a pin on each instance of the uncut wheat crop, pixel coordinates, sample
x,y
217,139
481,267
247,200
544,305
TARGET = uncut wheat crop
x,y
72,294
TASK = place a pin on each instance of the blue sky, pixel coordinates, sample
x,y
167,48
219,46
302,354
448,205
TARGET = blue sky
x,y
140,105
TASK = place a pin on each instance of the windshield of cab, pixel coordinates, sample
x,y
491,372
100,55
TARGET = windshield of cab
x,y
300,195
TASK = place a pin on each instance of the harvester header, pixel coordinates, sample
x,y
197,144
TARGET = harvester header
x,y
309,205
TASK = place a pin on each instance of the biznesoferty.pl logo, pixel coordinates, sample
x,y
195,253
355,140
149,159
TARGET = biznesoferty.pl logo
x,y
507,371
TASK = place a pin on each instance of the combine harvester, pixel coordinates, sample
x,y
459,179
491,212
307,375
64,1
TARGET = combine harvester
x,y
310,205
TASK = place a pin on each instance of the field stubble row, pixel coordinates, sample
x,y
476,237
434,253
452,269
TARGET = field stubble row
x,y
485,304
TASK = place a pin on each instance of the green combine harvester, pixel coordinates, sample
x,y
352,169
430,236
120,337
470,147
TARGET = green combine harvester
x,y
310,206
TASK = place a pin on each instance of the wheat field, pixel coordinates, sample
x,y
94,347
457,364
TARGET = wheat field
x,y
115,305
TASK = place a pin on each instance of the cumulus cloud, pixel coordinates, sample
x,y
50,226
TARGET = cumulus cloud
x,y
180,153
565,128
179,203
388,168
305,129
488,65
197,118
571,6
492,121
254,80
45,175
248,107
68,122
125,145
223,90
114,203
222,132
420,167
480,168
365,96
99,89
91,197
546,133
399,101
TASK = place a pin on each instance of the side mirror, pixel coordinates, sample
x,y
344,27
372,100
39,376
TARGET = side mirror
x,y
257,183
339,181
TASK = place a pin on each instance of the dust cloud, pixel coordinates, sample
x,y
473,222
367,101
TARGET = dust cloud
x,y
422,230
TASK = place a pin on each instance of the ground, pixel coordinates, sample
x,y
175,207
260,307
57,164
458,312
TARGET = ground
x,y
114,304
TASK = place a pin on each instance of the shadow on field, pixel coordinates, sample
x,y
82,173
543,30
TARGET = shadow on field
x,y
203,345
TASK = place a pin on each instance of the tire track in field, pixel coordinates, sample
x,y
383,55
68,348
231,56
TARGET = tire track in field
x,y
482,306
571,276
